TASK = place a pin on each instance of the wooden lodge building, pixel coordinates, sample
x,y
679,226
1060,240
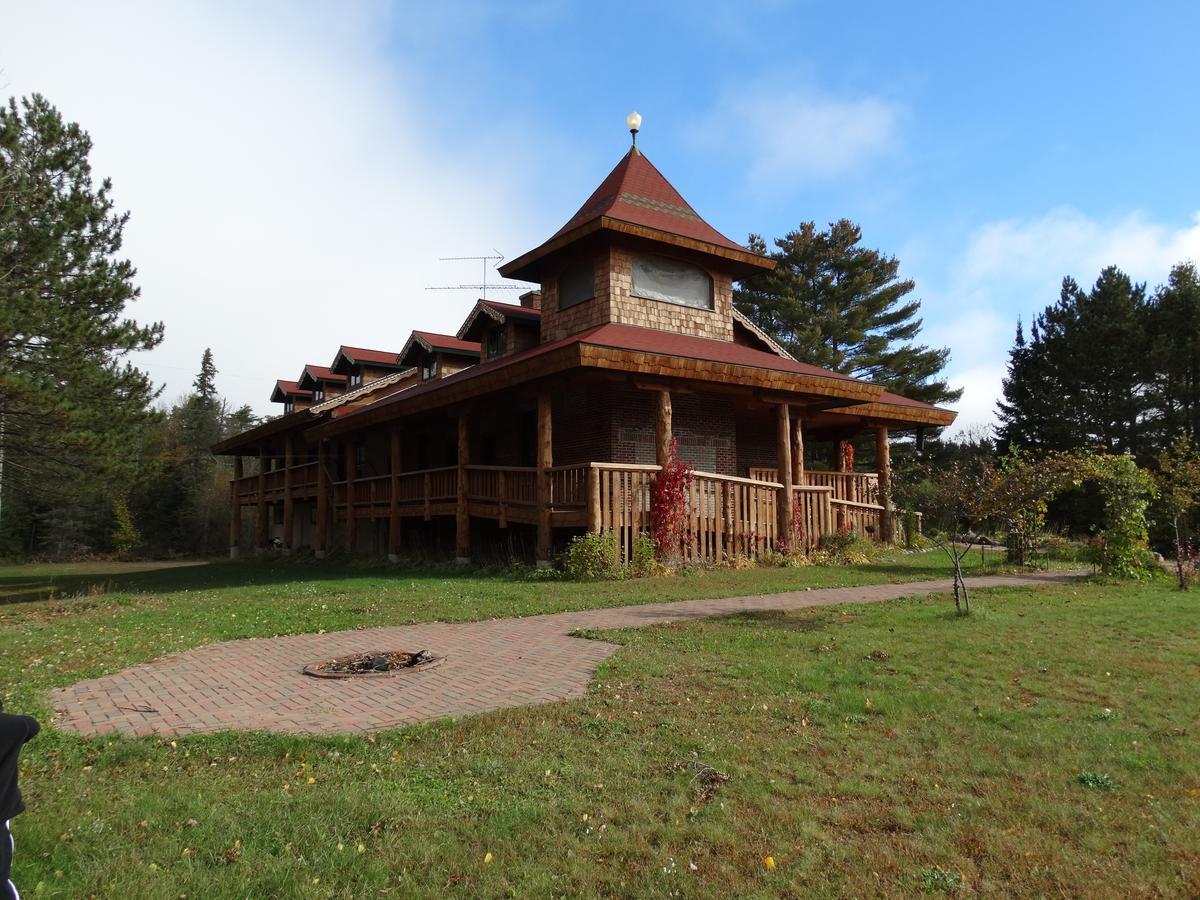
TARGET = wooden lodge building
x,y
541,420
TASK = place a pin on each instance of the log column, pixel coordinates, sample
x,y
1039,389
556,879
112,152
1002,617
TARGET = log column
x,y
322,534
787,496
545,459
462,531
662,429
260,520
839,465
289,507
394,505
351,474
798,476
235,511
883,460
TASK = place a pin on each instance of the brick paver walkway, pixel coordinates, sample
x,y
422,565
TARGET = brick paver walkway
x,y
256,684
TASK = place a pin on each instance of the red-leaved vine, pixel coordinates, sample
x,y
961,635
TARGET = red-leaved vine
x,y
846,449
668,505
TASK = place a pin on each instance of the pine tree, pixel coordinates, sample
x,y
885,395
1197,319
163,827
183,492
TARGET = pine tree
x,y
842,306
1081,380
206,380
73,408
1175,337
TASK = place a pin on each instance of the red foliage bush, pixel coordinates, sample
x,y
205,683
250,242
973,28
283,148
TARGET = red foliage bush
x,y
668,505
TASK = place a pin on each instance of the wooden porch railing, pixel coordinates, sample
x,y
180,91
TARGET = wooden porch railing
x,y
857,487
727,517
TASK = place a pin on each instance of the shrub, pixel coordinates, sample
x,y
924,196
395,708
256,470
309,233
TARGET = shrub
x,y
848,549
126,538
593,557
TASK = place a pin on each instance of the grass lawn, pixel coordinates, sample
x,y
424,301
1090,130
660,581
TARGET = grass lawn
x,y
1048,744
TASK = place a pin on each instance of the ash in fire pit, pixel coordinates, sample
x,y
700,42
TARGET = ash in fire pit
x,y
379,662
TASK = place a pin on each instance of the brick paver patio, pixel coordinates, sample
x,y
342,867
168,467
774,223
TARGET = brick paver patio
x,y
256,684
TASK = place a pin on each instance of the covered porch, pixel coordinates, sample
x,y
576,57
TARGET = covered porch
x,y
363,491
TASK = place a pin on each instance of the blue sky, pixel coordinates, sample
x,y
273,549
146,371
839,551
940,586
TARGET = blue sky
x,y
298,169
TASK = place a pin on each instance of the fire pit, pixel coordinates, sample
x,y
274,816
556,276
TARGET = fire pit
x,y
372,664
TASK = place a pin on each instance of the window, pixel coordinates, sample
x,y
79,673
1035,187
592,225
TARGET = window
x,y
360,457
576,284
288,406
277,510
356,378
318,395
495,342
672,281
429,370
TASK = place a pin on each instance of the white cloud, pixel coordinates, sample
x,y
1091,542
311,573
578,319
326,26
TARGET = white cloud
x,y
289,191
799,136
1015,267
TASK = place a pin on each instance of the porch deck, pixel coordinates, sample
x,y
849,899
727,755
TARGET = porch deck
x,y
727,516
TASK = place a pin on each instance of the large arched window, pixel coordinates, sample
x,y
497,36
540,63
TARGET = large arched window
x,y
673,281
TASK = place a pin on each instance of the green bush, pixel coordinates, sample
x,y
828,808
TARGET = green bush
x,y
594,557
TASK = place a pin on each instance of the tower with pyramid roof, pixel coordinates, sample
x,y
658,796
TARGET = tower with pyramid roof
x,y
636,253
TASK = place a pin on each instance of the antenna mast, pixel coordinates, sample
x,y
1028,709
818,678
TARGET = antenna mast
x,y
495,256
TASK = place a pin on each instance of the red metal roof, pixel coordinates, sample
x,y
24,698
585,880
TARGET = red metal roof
x,y
322,373
447,342
513,309
288,389
361,355
637,193
646,340
622,337
898,400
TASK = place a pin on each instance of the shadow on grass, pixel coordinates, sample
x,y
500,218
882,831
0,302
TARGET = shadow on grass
x,y
24,588
783,620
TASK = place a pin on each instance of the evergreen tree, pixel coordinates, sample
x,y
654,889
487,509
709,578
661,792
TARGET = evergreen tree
x,y
73,409
1175,353
836,304
1081,380
206,380
1028,411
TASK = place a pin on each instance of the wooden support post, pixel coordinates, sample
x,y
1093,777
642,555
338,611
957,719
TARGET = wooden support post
x,y
394,500
322,535
839,465
594,522
662,429
799,479
260,520
545,459
289,507
462,531
787,496
351,475
235,511
883,460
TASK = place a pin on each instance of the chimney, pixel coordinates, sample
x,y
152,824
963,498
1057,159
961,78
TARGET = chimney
x,y
532,300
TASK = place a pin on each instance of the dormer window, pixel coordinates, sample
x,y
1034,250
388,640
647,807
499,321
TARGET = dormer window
x,y
429,370
356,379
495,343
288,406
672,281
576,284
318,395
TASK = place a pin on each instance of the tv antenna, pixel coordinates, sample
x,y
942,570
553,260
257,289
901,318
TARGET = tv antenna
x,y
494,257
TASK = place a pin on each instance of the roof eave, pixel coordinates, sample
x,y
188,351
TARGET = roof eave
x,y
528,267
